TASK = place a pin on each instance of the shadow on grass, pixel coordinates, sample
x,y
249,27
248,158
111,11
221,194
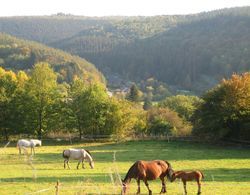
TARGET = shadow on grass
x,y
224,175
211,175
91,178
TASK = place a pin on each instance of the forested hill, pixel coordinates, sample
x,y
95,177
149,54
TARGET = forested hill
x,y
17,54
193,56
64,29
188,52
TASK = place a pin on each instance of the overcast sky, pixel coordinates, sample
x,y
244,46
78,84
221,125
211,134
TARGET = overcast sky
x,y
114,7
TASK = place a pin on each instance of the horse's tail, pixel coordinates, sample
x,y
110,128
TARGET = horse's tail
x,y
202,175
170,171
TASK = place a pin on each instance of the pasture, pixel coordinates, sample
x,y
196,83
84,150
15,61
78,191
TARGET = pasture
x,y
226,169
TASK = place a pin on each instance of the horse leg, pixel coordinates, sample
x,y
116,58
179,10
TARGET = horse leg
x,y
163,182
64,165
68,163
199,187
83,164
185,186
78,164
24,150
149,191
20,152
138,184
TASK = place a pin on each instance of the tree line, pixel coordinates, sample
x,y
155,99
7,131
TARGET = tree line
x,y
36,104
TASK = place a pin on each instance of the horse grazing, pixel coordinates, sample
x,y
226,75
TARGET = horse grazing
x,y
189,176
23,143
77,154
148,170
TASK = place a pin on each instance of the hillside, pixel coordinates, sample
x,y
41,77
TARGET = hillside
x,y
192,56
190,52
55,28
17,54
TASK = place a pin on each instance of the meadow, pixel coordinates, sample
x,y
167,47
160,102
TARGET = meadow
x,y
226,169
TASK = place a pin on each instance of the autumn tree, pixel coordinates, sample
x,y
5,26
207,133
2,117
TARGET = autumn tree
x,y
8,86
225,111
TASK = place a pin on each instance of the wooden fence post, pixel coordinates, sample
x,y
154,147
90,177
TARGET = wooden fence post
x,y
167,138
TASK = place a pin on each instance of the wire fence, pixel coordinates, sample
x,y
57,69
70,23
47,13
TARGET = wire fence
x,y
72,138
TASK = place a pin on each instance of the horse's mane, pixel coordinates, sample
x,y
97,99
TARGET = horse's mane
x,y
130,171
88,152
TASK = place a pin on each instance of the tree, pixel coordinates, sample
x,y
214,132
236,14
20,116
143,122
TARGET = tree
x,y
225,111
182,104
162,121
90,105
8,86
147,104
134,94
95,113
42,88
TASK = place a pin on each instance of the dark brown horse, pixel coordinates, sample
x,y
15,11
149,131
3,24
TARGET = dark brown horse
x,y
148,170
189,176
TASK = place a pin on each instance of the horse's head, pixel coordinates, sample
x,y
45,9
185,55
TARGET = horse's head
x,y
173,177
92,164
170,171
39,143
36,142
124,187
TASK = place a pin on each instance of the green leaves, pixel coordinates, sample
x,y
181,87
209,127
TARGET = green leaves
x,y
182,104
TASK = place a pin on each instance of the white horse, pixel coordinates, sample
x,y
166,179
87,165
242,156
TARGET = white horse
x,y
77,154
23,144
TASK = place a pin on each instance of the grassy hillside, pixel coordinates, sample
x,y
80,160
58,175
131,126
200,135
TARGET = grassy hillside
x,y
18,54
226,170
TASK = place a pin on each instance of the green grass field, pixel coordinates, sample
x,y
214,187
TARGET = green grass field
x,y
226,169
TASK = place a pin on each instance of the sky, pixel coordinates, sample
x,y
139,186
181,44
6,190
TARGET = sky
x,y
114,7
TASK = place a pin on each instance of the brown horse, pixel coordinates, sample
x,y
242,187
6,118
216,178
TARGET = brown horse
x,y
189,176
148,170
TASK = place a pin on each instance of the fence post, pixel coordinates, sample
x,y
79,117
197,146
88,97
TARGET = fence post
x,y
70,138
57,187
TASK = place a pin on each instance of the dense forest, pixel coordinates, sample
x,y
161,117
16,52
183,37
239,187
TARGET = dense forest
x,y
151,60
17,54
191,52
192,56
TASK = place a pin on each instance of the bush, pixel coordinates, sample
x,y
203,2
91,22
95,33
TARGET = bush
x,y
162,121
